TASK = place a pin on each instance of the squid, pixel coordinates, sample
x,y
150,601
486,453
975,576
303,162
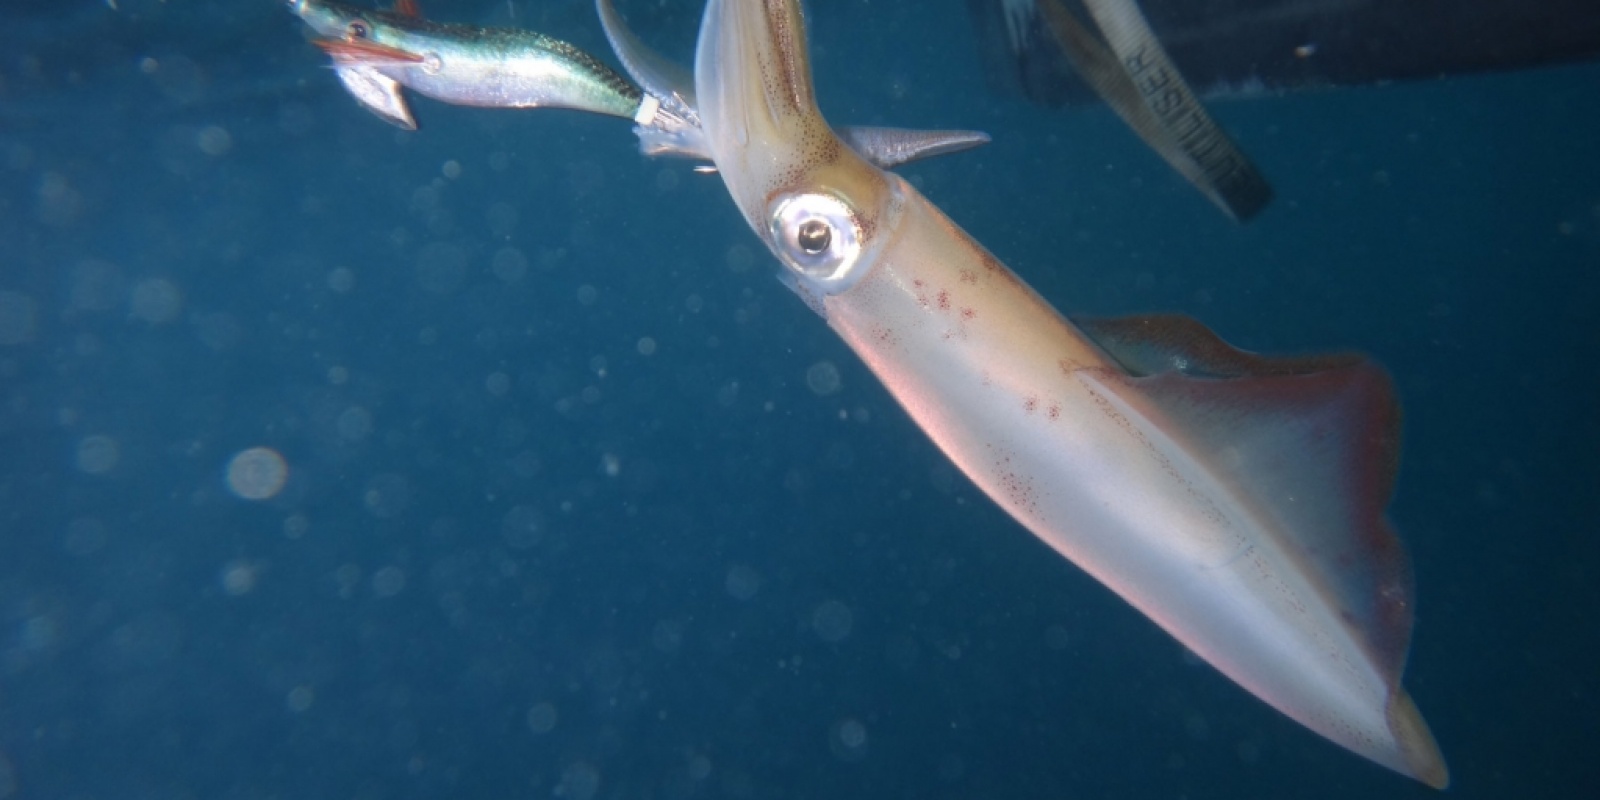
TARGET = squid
x,y
1236,500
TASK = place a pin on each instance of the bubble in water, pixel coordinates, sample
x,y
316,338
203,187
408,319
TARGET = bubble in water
x,y
156,301
667,636
699,768
852,734
848,740
441,266
218,331
8,778
509,264
238,577
1056,637
354,424
832,621
522,527
579,781
296,526
342,279
740,258
742,582
647,346
388,581
95,285
85,536
300,699
18,317
387,495
214,140
98,454
822,378
257,474
502,218
542,718
951,768
295,119
38,633
498,384
60,203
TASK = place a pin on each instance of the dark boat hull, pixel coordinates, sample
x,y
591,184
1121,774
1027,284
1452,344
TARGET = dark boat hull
x,y
1242,46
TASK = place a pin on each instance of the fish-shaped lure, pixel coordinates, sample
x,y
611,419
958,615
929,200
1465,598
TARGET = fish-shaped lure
x,y
1237,501
378,54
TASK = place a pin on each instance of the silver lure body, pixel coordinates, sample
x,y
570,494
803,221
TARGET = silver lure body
x,y
463,64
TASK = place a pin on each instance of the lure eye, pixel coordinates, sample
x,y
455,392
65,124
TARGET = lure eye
x,y
818,237
357,29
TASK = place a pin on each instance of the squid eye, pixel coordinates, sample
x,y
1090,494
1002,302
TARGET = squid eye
x,y
818,237
813,236
358,29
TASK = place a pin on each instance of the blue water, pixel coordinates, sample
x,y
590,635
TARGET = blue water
x,y
581,502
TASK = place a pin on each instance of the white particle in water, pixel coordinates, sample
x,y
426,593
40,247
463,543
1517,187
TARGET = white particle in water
x,y
699,768
388,581
238,577
85,536
522,527
257,473
542,718
667,636
18,317
498,384
300,699
832,621
296,526
849,740
852,734
742,582
739,258
509,264
95,285
155,300
1056,638
97,455
441,266
822,378
387,495
579,781
354,424
341,279
214,140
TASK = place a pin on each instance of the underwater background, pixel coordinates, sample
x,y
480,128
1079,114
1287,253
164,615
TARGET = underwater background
x,y
491,461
